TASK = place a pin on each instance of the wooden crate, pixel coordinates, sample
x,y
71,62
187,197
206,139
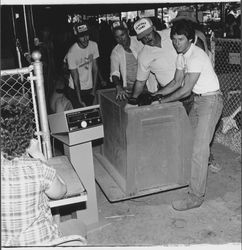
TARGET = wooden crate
x,y
146,149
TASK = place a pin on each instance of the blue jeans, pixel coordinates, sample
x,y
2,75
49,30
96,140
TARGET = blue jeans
x,y
204,116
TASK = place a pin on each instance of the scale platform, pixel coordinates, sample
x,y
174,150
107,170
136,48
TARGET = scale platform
x,y
112,190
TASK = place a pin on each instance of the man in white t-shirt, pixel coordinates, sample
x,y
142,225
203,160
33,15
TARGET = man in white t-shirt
x,y
82,63
157,56
124,62
195,73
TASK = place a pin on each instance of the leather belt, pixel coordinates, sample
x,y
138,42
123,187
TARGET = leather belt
x,y
209,93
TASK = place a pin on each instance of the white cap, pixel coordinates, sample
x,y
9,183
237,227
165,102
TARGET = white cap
x,y
143,27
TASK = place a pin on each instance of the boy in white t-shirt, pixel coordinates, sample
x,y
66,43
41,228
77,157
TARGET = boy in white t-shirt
x,y
195,73
82,63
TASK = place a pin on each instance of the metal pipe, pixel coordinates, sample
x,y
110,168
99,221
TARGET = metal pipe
x,y
32,20
26,29
36,116
15,37
17,71
38,70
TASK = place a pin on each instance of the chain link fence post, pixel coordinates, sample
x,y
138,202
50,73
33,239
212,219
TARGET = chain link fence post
x,y
38,71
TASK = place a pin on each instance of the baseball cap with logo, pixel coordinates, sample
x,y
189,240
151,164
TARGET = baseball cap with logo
x,y
81,29
143,27
119,25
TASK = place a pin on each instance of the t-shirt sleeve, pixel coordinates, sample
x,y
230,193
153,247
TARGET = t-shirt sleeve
x,y
143,70
71,61
180,64
195,65
114,65
95,51
49,174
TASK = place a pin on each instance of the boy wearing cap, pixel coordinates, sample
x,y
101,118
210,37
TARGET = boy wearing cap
x,y
124,60
157,56
82,63
195,73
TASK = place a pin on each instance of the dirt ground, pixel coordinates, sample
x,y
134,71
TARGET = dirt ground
x,y
151,221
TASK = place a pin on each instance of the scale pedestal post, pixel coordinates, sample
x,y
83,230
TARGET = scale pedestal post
x,y
81,158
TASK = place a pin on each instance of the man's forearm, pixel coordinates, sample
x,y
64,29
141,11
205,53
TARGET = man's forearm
x,y
77,87
94,75
94,81
138,88
174,84
78,91
169,88
177,95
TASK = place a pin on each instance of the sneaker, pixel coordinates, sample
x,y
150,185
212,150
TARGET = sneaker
x,y
191,201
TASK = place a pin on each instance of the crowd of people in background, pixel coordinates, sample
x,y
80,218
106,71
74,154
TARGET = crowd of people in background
x,y
55,45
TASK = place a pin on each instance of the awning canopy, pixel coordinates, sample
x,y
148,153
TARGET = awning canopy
x,y
95,9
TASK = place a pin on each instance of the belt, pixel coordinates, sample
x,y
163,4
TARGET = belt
x,y
209,93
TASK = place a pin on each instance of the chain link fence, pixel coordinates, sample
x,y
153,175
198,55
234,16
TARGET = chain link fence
x,y
17,87
228,68
25,86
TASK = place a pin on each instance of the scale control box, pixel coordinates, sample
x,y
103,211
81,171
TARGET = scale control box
x,y
76,119
83,119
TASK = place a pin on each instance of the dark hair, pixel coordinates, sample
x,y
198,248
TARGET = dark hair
x,y
16,129
230,19
119,28
183,27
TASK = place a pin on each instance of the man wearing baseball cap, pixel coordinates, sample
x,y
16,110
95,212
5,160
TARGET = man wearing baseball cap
x,y
124,60
82,63
158,55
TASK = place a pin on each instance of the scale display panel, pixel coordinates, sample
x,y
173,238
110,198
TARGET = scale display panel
x,y
76,119
83,119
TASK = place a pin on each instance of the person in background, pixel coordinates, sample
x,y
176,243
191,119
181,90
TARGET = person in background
x,y
106,44
58,100
27,183
44,43
82,63
230,26
195,73
237,28
124,60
